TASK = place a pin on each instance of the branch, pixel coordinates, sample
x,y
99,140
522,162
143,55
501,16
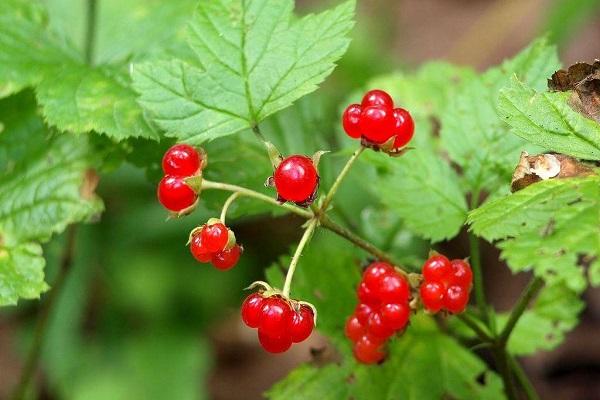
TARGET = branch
x,y
529,292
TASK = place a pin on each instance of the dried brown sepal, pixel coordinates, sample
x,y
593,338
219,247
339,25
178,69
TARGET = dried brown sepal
x,y
539,167
317,157
584,80
274,155
387,147
185,211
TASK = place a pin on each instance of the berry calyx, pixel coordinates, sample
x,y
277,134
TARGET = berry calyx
x,y
198,249
251,310
181,160
377,123
351,120
369,350
215,236
296,179
174,194
301,324
228,258
377,97
405,127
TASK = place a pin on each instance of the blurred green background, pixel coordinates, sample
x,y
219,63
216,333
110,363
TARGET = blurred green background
x,y
138,318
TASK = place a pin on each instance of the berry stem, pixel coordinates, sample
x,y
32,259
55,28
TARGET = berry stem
x,y
522,378
312,224
474,325
527,295
475,261
340,178
228,203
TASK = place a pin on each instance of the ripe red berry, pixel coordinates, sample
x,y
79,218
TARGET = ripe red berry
x,y
351,119
354,329
363,312
456,299
301,324
377,123
377,97
432,295
393,288
274,344
181,160
296,179
437,269
377,327
395,315
368,350
275,316
198,249
251,310
405,127
227,259
174,194
461,274
366,295
374,273
215,237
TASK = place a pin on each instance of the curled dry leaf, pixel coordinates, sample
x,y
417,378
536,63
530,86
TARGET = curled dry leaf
x,y
584,80
539,167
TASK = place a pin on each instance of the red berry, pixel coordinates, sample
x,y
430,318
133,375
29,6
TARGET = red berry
x,y
274,321
432,295
368,350
174,194
377,97
377,123
405,127
274,344
366,295
393,289
437,269
215,237
227,259
251,310
461,274
296,179
181,160
351,119
363,312
395,315
377,327
375,272
354,329
198,249
301,324
456,299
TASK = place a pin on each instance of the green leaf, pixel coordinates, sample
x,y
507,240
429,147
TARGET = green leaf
x,y
473,134
551,227
546,119
254,59
21,272
308,382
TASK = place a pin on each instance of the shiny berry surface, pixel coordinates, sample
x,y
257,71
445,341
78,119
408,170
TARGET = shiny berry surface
x,y
368,350
437,268
275,316
181,160
393,289
456,299
274,344
377,97
174,194
461,273
374,273
362,312
432,296
227,259
198,249
215,237
353,328
377,327
377,123
366,295
301,324
395,316
296,178
251,310
351,119
405,127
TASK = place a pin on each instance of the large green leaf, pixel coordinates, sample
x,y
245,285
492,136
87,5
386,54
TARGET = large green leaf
x,y
253,59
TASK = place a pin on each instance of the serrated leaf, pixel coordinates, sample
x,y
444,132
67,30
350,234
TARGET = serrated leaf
x,y
21,272
551,227
254,59
308,382
546,119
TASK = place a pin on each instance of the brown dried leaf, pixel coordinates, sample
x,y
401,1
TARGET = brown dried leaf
x,y
584,80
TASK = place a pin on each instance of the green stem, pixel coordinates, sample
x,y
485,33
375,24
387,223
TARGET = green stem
x,y
340,178
501,358
312,224
527,295
90,32
522,378
475,327
475,261
228,202
259,134
35,352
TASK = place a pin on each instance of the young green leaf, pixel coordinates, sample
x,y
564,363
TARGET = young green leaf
x,y
253,59
21,272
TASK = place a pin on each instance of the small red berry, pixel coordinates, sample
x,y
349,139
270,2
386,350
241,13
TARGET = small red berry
x,y
296,178
181,160
395,315
251,310
215,237
437,269
456,299
377,123
432,295
301,324
461,274
354,329
405,127
227,259
363,312
393,289
375,272
377,327
377,97
198,249
274,344
174,194
366,295
368,350
351,119
274,321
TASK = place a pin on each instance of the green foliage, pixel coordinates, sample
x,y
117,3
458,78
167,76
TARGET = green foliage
x,y
252,59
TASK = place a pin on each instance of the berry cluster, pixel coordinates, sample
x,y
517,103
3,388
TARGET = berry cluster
x,y
179,163
215,243
280,322
383,310
446,284
296,180
378,123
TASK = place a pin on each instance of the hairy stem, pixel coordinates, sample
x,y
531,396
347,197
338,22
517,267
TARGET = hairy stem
x,y
35,352
340,178
312,224
228,202
527,295
522,378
